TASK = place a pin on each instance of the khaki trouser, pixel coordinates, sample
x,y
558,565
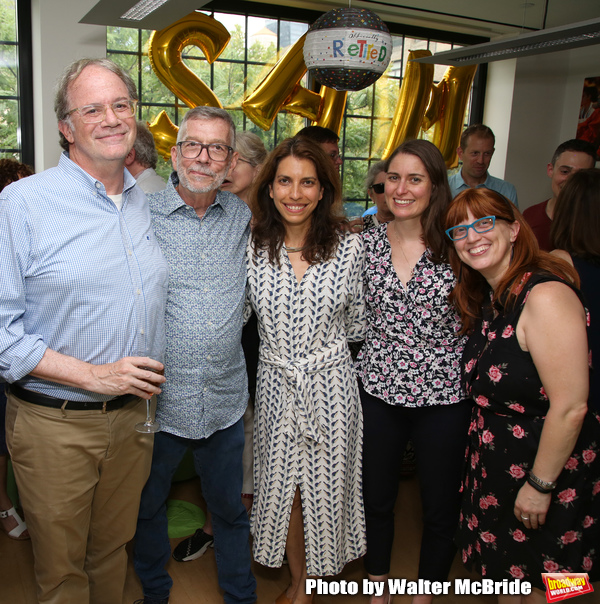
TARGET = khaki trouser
x,y
80,475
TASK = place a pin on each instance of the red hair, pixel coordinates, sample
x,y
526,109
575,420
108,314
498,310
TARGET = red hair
x,y
469,294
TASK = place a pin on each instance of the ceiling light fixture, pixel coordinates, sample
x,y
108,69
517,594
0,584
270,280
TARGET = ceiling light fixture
x,y
575,35
142,9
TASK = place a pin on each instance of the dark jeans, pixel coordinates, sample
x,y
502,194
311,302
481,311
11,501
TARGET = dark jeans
x,y
218,462
439,434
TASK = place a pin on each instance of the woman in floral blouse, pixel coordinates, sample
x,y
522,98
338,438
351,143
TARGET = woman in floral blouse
x,y
409,366
532,490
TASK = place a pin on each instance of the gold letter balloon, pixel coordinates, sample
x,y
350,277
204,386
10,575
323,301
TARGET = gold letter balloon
x,y
420,104
164,50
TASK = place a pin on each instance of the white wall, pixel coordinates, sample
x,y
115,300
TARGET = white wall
x,y
498,110
58,40
545,106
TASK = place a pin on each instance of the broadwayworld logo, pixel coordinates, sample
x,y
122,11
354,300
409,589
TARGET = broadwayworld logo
x,y
560,586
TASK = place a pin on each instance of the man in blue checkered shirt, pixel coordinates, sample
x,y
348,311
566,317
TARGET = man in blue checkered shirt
x,y
82,303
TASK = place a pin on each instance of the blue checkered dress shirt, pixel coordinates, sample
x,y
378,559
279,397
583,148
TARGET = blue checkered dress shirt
x,y
78,276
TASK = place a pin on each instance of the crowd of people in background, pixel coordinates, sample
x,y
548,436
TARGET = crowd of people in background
x,y
295,354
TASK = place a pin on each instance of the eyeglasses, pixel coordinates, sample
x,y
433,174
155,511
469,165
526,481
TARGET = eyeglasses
x,y
482,225
216,151
378,188
94,114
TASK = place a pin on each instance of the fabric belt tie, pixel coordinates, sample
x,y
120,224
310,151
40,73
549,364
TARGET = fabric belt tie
x,y
37,398
299,407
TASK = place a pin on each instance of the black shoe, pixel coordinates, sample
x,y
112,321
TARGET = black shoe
x,y
193,547
146,600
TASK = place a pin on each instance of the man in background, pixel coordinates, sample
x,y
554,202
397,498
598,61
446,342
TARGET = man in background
x,y
142,160
571,156
477,146
327,139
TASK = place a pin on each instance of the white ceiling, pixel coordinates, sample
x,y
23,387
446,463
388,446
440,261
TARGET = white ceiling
x,y
488,18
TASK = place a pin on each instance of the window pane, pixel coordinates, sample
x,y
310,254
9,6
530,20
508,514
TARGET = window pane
x,y
201,67
262,40
236,26
9,123
122,38
238,119
229,83
129,63
357,137
387,91
288,124
381,130
8,27
256,74
10,143
290,33
360,102
8,70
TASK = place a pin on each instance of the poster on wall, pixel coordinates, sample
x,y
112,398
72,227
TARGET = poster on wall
x,y
588,127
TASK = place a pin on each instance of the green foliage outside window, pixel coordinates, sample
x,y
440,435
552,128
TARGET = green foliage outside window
x,y
9,89
251,53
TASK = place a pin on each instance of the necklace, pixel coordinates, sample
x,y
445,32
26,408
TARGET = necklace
x,y
412,268
291,250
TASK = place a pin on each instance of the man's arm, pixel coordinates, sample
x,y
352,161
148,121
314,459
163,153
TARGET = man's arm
x,y
131,375
23,353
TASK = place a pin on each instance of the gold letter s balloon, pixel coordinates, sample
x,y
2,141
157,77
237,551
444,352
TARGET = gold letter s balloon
x,y
414,95
164,50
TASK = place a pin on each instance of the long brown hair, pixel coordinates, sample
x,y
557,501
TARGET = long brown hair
x,y
431,219
325,227
576,221
470,291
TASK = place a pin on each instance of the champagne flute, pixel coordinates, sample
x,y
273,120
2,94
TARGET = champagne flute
x,y
150,425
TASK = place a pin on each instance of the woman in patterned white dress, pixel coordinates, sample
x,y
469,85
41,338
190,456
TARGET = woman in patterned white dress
x,y
305,285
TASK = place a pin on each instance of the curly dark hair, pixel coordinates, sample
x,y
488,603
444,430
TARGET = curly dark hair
x,y
11,170
325,227
431,219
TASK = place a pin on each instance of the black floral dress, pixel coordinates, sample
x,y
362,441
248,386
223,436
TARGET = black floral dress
x,y
503,440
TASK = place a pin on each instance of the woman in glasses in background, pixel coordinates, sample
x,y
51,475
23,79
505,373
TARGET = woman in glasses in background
x,y
409,366
375,184
531,495
251,156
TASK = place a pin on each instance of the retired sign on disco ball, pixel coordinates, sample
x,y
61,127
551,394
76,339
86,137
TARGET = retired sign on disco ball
x,y
348,48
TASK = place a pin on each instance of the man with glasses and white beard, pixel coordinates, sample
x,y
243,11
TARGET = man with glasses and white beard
x,y
203,233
